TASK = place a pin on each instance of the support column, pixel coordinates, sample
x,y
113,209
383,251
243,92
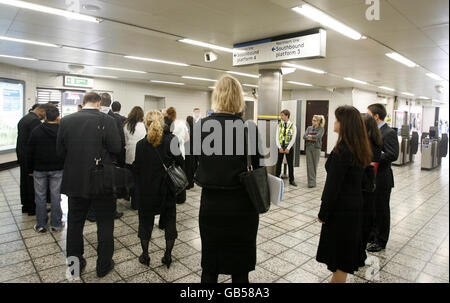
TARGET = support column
x,y
269,107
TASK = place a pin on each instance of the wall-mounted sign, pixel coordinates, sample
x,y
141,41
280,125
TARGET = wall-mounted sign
x,y
73,81
307,44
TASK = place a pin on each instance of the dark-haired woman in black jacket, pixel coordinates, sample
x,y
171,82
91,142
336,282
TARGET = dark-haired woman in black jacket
x,y
341,212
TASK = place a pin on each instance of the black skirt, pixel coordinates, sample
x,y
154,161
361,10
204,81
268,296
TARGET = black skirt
x,y
228,228
341,241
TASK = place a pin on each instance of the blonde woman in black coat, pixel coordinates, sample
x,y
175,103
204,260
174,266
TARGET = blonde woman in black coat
x,y
341,212
155,197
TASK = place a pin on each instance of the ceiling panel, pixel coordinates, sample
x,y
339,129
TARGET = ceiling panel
x,y
423,13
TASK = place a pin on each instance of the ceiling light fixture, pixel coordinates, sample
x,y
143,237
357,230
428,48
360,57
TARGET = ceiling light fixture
x,y
243,74
299,83
408,94
166,82
20,58
356,81
387,88
424,98
120,69
250,85
212,87
27,41
324,19
99,76
308,69
50,10
207,45
156,60
399,58
198,78
435,77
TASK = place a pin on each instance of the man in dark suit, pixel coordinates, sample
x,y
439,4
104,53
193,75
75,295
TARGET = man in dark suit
x,y
24,128
115,108
119,158
79,142
384,180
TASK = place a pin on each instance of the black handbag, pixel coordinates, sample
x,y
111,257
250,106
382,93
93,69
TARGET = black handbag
x,y
177,176
108,179
369,180
256,183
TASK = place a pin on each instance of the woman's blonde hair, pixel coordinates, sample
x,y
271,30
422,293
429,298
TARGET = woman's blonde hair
x,y
154,121
228,96
321,119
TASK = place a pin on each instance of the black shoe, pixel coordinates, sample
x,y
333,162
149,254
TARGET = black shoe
x,y
32,213
145,259
293,183
167,261
91,219
118,215
375,248
111,267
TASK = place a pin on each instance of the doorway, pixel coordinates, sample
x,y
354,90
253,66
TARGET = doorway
x,y
154,103
318,108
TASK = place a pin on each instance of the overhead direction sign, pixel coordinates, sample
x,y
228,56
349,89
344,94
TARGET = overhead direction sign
x,y
308,44
74,81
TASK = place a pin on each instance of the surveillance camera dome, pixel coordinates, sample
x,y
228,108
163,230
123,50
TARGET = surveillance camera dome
x,y
76,68
439,88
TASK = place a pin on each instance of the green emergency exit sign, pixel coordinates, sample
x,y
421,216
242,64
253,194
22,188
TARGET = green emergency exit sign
x,y
74,81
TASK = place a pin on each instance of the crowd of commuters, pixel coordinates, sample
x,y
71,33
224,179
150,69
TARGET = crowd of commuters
x,y
56,157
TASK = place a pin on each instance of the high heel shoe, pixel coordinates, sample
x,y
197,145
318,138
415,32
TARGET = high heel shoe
x,y
143,259
167,261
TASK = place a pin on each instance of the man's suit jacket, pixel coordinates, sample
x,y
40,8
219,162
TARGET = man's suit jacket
x,y
121,155
122,118
390,152
24,129
79,142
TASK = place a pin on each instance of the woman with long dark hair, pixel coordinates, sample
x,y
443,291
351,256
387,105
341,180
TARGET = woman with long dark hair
x,y
134,130
342,200
376,144
156,198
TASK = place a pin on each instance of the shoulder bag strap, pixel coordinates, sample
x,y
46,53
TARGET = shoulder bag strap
x,y
248,157
160,159
101,128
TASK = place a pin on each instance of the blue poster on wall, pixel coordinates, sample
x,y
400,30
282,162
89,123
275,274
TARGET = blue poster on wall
x,y
11,111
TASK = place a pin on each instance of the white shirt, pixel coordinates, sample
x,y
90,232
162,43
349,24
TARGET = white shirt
x,y
294,135
181,131
132,139
104,109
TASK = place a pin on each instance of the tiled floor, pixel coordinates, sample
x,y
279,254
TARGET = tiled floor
x,y
418,250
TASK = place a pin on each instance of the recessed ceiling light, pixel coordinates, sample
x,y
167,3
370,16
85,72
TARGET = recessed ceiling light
x,y
91,8
250,85
300,83
121,69
100,76
50,10
401,59
243,74
308,69
355,80
207,45
387,88
212,87
156,60
166,82
424,98
20,58
435,77
408,94
198,78
27,41
324,19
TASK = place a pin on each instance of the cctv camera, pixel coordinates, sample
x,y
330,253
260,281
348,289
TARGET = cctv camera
x,y
439,88
210,56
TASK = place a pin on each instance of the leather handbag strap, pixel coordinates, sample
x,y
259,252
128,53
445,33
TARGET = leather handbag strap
x,y
248,157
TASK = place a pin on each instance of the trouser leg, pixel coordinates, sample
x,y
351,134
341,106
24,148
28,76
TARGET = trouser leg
x,y
310,166
279,163
40,186
290,161
55,198
383,217
104,212
78,209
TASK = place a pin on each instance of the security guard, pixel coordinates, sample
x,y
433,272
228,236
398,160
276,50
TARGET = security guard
x,y
286,134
